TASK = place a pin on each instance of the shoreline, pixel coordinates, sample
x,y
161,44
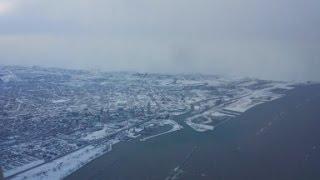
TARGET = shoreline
x,y
190,138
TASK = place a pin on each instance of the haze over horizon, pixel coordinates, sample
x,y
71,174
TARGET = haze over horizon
x,y
275,39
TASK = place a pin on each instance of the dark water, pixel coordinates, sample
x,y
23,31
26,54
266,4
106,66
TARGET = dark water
x,y
275,140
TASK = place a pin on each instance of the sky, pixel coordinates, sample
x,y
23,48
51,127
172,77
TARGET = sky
x,y
268,39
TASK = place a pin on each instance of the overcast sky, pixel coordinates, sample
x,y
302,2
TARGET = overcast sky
x,y
270,39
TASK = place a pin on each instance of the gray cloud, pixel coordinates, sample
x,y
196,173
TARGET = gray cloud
x,y
275,39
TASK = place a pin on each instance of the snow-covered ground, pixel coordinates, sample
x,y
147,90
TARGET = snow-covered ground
x,y
200,127
175,127
8,77
62,167
59,101
98,134
242,104
22,168
204,125
258,97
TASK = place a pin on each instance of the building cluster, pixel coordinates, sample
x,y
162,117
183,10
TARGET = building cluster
x,y
46,113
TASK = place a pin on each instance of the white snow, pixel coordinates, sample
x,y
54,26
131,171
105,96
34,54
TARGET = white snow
x,y
218,114
62,167
22,168
200,127
8,77
131,133
97,134
189,82
242,105
59,101
286,86
175,127
164,82
208,115
257,97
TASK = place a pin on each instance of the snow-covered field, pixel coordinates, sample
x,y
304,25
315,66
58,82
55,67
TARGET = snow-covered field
x,y
22,168
257,97
98,134
242,104
175,127
200,127
59,101
62,167
208,117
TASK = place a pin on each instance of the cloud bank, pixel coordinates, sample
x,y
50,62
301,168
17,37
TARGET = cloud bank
x,y
275,39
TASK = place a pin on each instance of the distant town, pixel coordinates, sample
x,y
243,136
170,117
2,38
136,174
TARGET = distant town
x,y
54,121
